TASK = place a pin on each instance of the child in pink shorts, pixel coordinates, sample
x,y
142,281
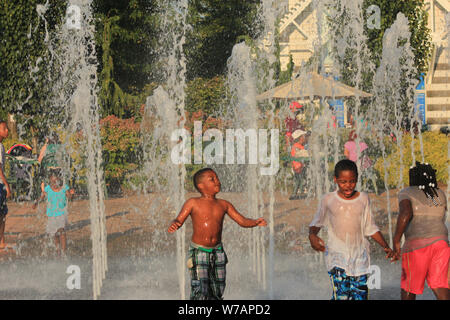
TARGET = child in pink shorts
x,y
425,253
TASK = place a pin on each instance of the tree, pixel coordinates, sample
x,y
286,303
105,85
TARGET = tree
x,y
357,47
205,95
345,24
216,25
420,39
401,89
26,64
127,33
286,75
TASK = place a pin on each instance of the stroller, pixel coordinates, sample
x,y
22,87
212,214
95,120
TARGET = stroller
x,y
21,171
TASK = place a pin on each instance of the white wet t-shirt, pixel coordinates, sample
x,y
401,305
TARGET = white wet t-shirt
x,y
348,223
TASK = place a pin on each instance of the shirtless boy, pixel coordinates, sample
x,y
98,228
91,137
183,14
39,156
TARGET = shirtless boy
x,y
206,258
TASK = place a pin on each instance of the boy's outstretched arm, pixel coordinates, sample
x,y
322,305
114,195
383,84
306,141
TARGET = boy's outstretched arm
x,y
404,216
243,221
182,216
316,242
378,237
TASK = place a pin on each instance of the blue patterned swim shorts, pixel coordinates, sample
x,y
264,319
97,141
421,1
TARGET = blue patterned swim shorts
x,y
348,287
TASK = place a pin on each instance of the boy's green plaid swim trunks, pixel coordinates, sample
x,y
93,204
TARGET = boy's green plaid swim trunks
x,y
207,269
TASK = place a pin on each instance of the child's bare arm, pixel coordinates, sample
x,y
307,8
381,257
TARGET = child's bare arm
x,y
42,197
316,242
378,237
70,193
243,221
403,219
182,216
42,153
5,182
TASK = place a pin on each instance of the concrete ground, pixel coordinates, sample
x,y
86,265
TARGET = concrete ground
x,y
142,260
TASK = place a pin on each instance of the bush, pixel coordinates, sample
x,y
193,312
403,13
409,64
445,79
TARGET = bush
x,y
121,147
435,153
206,95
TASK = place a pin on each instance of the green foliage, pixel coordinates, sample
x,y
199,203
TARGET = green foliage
x,y
130,30
360,61
205,95
420,39
435,153
3,114
121,147
286,75
216,26
126,37
26,65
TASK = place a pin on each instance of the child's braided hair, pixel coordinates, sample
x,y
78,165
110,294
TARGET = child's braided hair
x,y
423,176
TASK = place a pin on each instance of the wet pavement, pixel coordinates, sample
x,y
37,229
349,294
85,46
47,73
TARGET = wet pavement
x,y
141,254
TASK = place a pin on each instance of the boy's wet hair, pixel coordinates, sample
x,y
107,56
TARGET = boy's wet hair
x,y
345,165
198,176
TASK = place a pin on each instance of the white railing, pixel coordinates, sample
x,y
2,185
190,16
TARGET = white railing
x,y
293,14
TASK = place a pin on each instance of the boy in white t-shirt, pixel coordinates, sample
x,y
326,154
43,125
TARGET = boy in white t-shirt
x,y
348,217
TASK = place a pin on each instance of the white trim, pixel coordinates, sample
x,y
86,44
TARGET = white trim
x,y
445,4
300,30
294,14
